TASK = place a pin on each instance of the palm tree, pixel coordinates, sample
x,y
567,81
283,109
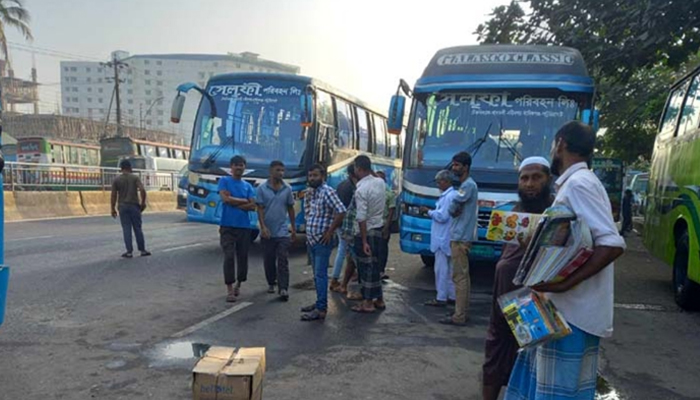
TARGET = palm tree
x,y
14,15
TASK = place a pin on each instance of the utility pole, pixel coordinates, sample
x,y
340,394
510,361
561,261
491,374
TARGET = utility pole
x,y
116,64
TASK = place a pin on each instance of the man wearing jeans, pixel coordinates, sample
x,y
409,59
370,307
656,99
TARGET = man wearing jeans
x,y
324,213
238,199
275,204
463,210
125,191
346,190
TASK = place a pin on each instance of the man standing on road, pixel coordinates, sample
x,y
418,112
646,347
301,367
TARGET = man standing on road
x,y
389,209
626,212
346,191
276,204
238,200
535,194
463,210
125,192
440,240
324,213
566,368
370,200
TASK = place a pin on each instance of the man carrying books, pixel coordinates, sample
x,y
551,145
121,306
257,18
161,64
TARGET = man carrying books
x,y
534,190
566,368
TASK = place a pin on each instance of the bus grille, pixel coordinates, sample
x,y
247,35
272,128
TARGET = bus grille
x,y
483,218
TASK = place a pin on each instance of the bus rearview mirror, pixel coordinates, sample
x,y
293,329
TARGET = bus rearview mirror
x,y
178,106
396,110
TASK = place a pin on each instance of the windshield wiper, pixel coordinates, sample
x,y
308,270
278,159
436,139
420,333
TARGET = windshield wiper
x,y
212,157
474,147
509,146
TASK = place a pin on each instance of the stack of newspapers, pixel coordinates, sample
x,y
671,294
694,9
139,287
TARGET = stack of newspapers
x,y
560,244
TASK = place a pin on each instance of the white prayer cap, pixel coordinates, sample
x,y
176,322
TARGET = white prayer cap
x,y
534,160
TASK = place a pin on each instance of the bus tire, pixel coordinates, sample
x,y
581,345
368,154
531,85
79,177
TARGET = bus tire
x,y
428,261
686,292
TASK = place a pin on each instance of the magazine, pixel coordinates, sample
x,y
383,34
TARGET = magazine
x,y
510,226
532,317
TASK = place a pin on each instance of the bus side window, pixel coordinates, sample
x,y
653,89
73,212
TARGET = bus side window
x,y
363,129
690,118
380,141
344,131
673,109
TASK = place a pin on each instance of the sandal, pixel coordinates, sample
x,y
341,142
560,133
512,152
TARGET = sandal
x,y
380,305
435,303
362,310
314,315
355,296
231,298
236,291
127,255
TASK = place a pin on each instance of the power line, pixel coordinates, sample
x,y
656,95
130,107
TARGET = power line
x,y
50,52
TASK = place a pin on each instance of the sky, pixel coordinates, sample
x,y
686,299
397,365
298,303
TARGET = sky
x,y
362,47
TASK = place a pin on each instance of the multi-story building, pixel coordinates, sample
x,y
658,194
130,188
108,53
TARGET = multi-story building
x,y
148,85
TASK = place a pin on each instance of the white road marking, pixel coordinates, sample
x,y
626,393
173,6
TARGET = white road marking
x,y
188,246
29,238
211,320
640,307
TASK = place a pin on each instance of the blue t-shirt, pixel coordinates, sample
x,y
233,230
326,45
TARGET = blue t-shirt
x,y
231,216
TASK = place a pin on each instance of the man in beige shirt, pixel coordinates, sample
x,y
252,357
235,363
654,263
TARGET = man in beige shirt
x,y
125,192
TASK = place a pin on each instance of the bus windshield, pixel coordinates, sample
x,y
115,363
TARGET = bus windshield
x,y
498,129
260,120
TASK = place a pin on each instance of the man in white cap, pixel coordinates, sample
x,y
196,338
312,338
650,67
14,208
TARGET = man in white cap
x,y
534,190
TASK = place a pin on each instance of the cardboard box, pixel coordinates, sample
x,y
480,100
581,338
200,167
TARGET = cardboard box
x,y
226,374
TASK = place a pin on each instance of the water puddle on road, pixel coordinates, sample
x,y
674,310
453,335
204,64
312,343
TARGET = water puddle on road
x,y
174,354
604,391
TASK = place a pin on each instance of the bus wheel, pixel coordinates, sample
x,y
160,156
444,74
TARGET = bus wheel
x,y
428,261
686,291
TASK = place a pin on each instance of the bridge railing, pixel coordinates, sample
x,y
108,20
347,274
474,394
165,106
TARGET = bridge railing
x,y
57,177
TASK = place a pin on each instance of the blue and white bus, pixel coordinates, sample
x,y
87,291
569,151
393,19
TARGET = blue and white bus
x,y
292,118
500,103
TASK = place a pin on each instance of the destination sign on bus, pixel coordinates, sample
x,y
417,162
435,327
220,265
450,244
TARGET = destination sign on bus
x,y
506,58
253,89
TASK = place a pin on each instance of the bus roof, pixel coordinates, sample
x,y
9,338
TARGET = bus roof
x,y
146,142
296,78
506,66
686,76
61,142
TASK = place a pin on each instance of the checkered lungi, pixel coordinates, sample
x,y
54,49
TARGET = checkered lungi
x,y
560,369
369,270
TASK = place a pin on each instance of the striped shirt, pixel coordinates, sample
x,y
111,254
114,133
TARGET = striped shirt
x,y
320,206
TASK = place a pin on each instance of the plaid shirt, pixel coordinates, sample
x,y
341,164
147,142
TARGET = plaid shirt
x,y
320,206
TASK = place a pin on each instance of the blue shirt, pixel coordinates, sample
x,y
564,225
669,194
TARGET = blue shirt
x,y
276,208
231,216
464,212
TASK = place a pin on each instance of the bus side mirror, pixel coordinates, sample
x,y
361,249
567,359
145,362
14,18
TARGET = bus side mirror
x,y
396,110
586,116
307,107
176,110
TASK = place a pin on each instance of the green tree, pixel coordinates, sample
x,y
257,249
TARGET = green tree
x,y
634,49
13,15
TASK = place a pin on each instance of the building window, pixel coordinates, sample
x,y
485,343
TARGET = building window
x,y
73,79
74,69
130,91
159,113
67,99
100,70
129,81
160,102
159,73
131,112
130,101
99,80
159,92
88,79
148,92
89,90
146,62
99,101
67,79
88,69
148,81
99,90
89,99
216,64
159,62
65,69
147,72
159,83
75,100
160,123
77,110
75,89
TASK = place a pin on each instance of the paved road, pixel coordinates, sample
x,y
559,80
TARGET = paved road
x,y
83,323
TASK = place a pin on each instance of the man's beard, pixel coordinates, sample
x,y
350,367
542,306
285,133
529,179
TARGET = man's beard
x,y
537,204
315,184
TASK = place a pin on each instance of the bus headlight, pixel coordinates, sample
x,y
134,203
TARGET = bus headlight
x,y
182,192
413,211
